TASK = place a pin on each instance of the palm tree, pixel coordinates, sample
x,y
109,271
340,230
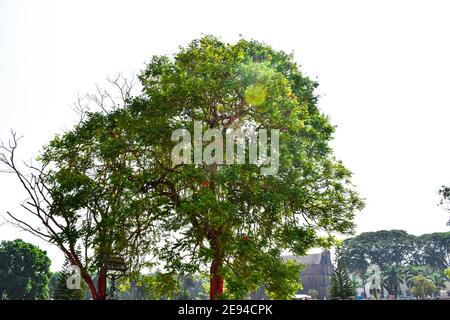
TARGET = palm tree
x,y
438,279
413,271
393,277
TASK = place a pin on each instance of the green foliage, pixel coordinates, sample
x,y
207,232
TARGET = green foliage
x,y
422,287
447,272
239,216
91,167
157,286
392,277
24,271
383,248
89,173
280,279
438,279
161,285
61,291
52,283
167,286
191,287
445,200
114,185
396,247
341,285
434,250
401,256
356,282
413,271
283,281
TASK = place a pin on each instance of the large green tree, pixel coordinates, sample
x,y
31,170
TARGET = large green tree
x,y
384,248
434,250
112,179
232,217
24,271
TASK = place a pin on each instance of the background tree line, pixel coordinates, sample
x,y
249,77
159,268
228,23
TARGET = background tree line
x,y
419,263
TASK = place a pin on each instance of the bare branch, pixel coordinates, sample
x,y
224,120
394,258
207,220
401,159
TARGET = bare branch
x,y
28,228
107,99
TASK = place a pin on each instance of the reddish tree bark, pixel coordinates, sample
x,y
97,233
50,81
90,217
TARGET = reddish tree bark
x,y
91,285
216,286
215,271
98,293
102,284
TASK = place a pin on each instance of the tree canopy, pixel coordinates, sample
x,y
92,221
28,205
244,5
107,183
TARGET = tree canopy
x,y
113,184
79,194
422,287
396,247
24,271
231,216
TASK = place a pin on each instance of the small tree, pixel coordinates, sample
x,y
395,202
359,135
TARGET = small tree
x,y
61,290
24,271
412,271
422,287
393,277
341,286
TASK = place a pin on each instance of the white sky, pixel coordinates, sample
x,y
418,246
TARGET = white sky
x,y
383,69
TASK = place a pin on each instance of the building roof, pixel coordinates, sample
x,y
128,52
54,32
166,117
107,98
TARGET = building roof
x,y
314,258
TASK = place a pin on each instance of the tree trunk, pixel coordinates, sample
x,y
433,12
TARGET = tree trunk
x,y
215,271
90,284
216,280
101,287
74,260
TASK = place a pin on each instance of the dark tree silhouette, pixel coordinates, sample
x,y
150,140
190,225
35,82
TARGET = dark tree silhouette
x,y
24,271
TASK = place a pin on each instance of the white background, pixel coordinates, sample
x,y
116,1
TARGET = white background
x,y
383,69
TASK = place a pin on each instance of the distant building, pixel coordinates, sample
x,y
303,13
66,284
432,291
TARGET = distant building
x,y
316,273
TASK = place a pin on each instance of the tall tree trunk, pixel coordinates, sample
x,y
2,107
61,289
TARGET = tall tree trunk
x,y
216,280
215,271
90,284
75,260
101,285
